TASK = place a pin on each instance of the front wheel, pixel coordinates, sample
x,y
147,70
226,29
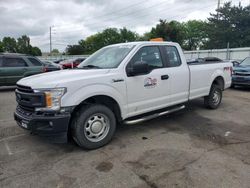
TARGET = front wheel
x,y
213,100
93,126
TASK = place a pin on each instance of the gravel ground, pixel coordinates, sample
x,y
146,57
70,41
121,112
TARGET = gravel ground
x,y
193,148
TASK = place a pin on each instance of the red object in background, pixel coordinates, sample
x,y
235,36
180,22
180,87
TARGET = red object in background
x,y
70,64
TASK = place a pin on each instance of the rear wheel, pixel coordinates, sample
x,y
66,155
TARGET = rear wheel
x,y
213,100
93,126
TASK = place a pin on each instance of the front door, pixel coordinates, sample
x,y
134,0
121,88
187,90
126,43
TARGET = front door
x,y
149,91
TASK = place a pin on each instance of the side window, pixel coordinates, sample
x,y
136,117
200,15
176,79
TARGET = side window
x,y
34,61
14,62
173,56
150,55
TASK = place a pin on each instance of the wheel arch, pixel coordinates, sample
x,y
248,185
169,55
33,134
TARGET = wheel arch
x,y
219,81
105,100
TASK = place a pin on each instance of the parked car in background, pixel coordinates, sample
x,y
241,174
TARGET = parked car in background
x,y
71,63
58,61
14,66
234,62
51,66
241,73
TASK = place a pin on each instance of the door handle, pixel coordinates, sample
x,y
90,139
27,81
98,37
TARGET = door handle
x,y
164,77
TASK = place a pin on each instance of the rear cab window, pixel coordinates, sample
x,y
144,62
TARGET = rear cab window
x,y
172,55
14,62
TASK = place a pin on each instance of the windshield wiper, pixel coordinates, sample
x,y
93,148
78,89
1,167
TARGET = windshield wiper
x,y
91,67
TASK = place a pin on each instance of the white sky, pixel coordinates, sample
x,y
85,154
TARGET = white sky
x,y
73,20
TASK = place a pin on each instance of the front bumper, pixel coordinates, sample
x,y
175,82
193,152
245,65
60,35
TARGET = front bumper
x,y
52,126
240,80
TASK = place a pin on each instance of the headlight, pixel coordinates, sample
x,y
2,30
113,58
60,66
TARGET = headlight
x,y
52,98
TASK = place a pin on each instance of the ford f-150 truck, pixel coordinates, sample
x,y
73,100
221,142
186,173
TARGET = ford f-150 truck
x,y
126,83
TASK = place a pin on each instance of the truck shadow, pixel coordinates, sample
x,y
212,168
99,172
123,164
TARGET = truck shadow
x,y
190,121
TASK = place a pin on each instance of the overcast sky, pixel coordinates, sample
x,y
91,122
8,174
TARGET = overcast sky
x,y
73,20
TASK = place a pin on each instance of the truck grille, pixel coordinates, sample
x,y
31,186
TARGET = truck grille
x,y
242,73
24,89
27,99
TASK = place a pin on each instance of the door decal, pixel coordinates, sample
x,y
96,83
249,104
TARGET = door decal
x,y
150,82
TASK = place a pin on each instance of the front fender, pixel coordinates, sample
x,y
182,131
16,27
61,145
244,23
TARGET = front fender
x,y
75,98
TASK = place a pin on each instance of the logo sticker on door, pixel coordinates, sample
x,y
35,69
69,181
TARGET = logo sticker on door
x,y
150,82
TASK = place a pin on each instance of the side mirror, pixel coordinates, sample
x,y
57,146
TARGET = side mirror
x,y
236,63
138,68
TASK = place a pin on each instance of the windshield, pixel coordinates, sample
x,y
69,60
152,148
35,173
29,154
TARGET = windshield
x,y
246,62
105,58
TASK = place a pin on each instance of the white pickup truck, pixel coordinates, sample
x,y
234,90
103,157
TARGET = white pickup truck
x,y
127,83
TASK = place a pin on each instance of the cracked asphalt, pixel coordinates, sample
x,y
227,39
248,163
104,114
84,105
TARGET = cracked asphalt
x,y
192,148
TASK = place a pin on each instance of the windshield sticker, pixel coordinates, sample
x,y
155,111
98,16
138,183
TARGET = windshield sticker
x,y
150,82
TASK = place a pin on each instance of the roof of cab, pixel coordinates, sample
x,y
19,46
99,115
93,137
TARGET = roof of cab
x,y
144,42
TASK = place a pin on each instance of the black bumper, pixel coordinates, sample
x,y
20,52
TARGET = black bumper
x,y
52,126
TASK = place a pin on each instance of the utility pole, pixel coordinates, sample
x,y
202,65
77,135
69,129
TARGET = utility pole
x,y
50,41
218,4
218,9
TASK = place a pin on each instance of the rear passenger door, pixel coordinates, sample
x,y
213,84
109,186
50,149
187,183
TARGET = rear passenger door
x,y
35,66
179,75
13,69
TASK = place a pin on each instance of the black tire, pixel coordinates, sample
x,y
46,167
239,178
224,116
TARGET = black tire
x,y
213,100
88,118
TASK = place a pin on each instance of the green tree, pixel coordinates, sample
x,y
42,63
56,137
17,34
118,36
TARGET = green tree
x,y
1,47
107,37
23,45
127,35
230,24
195,34
35,51
55,51
169,31
74,50
9,45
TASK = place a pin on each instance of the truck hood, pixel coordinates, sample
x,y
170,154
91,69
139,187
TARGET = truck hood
x,y
241,68
57,78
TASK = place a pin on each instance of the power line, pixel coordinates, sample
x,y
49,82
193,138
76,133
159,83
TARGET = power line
x,y
148,14
117,11
126,21
132,13
126,15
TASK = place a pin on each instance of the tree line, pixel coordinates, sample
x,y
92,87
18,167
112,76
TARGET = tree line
x,y
21,45
229,25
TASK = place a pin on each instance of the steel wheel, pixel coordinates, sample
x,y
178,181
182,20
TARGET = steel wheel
x,y
96,127
216,97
